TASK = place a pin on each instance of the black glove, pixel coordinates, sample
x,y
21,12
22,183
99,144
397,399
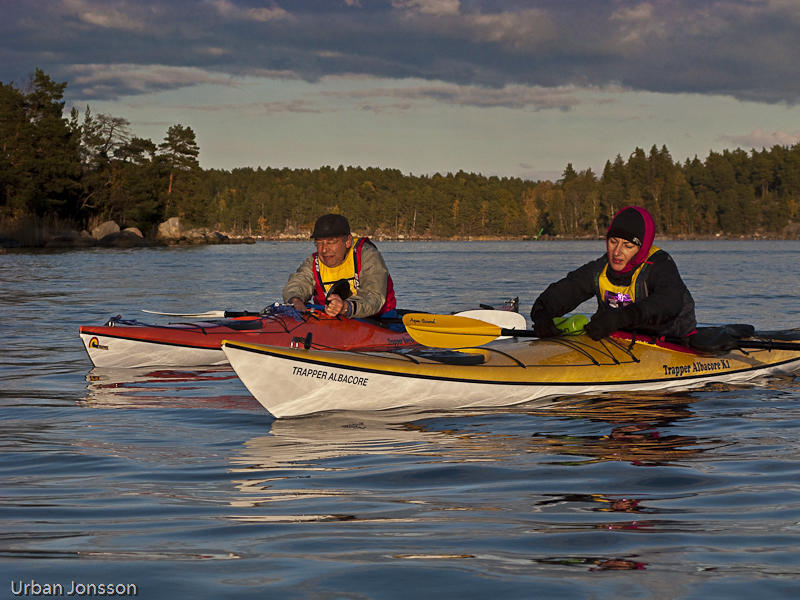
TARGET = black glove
x,y
608,321
543,325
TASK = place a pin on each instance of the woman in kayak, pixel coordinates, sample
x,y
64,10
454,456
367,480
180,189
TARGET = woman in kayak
x,y
346,274
637,286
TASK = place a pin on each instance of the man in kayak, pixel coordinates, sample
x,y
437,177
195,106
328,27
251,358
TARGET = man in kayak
x,y
637,286
346,274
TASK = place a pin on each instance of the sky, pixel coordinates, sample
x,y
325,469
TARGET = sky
x,y
513,88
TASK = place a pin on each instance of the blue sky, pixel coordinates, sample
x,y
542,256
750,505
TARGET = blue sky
x,y
503,87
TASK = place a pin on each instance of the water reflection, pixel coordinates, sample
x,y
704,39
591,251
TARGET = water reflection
x,y
167,388
401,472
638,425
636,434
340,458
311,441
268,468
605,503
596,563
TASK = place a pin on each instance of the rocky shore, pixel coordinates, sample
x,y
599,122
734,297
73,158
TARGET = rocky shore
x,y
109,235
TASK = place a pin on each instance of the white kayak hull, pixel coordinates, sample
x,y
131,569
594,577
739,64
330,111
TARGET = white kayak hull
x,y
294,382
133,353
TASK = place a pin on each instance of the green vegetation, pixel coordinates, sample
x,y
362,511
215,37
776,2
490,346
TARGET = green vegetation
x,y
82,169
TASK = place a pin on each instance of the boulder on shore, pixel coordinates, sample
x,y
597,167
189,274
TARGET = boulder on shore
x,y
203,235
170,229
135,231
123,239
104,229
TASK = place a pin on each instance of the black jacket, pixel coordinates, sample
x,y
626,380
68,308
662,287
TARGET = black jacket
x,y
664,305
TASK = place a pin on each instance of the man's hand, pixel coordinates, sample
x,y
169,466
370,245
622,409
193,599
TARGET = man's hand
x,y
335,306
298,304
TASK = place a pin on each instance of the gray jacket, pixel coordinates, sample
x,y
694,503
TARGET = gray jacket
x,y
372,283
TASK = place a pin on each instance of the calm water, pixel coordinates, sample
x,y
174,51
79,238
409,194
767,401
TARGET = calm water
x,y
179,483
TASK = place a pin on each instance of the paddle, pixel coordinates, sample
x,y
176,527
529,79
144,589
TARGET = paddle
x,y
455,331
501,318
729,337
210,314
767,345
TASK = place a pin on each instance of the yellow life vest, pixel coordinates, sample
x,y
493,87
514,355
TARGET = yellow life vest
x,y
617,296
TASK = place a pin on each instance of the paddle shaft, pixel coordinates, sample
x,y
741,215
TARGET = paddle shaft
x,y
767,345
741,344
518,332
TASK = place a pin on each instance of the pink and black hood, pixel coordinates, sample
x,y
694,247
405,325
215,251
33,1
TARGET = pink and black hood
x,y
635,224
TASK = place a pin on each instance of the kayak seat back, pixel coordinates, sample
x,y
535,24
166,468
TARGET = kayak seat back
x,y
243,324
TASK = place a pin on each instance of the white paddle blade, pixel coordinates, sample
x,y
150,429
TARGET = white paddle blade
x,y
502,318
211,314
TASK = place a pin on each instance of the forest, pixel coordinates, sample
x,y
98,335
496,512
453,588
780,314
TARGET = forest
x,y
78,168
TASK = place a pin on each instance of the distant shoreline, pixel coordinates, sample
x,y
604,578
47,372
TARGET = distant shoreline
x,y
11,245
175,232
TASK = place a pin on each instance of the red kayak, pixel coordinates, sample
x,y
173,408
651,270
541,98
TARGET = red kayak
x,y
131,343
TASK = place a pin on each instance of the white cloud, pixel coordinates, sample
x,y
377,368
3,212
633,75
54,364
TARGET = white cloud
x,y
634,15
267,14
228,9
639,24
212,51
252,109
430,7
523,30
511,96
94,79
759,138
785,8
105,14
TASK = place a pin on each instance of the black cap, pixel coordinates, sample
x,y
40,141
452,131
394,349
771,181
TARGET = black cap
x,y
331,226
629,225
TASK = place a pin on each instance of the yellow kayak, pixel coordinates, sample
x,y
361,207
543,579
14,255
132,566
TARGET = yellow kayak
x,y
294,381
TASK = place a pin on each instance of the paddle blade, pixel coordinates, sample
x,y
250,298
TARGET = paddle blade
x,y
211,314
449,331
502,318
